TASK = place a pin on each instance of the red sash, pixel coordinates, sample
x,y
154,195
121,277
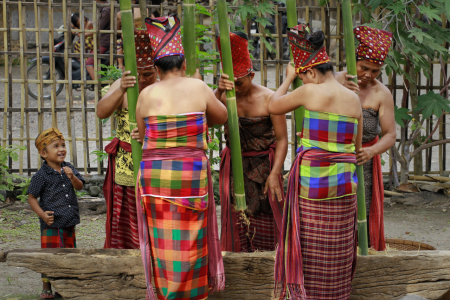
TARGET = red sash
x,y
108,190
376,212
230,234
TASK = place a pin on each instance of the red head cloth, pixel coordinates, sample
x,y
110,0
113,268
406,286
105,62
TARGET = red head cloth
x,y
242,64
374,44
165,36
306,55
144,58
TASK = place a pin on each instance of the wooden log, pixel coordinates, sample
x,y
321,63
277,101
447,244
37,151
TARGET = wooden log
x,y
118,274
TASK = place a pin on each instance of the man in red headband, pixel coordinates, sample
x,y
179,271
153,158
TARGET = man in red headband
x,y
378,110
119,190
264,147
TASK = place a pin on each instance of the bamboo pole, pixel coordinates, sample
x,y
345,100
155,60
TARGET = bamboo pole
x,y
291,11
68,69
51,36
143,9
233,122
5,58
84,118
129,51
351,69
22,89
189,36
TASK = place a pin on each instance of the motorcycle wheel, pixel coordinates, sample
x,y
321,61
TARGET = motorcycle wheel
x,y
47,88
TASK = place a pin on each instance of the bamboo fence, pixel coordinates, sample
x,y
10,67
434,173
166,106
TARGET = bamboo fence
x,y
25,27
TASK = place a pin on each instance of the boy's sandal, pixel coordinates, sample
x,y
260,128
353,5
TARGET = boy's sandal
x,y
47,294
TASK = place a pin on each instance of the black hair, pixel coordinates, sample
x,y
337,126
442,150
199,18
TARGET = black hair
x,y
317,39
169,63
136,1
241,34
74,19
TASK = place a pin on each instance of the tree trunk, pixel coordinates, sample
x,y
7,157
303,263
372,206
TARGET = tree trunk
x,y
404,175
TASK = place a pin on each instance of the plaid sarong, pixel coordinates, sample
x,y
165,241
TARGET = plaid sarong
x,y
326,178
57,238
260,235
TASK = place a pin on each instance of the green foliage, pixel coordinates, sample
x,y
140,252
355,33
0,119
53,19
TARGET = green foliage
x,y
101,155
215,133
401,114
432,104
7,182
80,193
111,73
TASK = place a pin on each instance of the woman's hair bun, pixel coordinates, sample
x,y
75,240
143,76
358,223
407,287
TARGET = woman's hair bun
x,y
317,38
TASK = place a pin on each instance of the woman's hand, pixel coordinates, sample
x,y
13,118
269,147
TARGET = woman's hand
x,y
350,84
127,81
225,84
290,72
364,155
135,135
273,184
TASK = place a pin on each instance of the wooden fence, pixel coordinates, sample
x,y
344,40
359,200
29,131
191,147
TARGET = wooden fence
x,y
28,29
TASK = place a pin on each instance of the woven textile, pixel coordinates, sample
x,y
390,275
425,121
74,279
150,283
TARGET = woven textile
x,y
178,230
123,162
374,44
144,58
334,173
124,225
305,54
258,144
178,238
58,238
47,137
88,45
242,63
165,36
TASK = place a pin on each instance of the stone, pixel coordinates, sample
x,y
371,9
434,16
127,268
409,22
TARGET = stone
x,y
94,191
119,274
412,297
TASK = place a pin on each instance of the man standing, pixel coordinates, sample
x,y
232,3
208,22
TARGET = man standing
x,y
119,187
264,147
378,111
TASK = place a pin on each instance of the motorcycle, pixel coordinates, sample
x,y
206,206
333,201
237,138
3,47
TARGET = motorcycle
x,y
59,71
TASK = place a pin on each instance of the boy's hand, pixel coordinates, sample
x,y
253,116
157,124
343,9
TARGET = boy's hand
x,y
48,217
68,172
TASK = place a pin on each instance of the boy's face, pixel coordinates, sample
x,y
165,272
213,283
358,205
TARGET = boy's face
x,y
55,152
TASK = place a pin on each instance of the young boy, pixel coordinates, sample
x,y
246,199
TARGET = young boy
x,y
57,208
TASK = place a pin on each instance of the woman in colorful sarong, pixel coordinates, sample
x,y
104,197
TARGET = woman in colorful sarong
x,y
177,223
378,111
119,188
316,255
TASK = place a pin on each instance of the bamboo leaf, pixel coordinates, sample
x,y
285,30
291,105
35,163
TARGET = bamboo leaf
x,y
430,12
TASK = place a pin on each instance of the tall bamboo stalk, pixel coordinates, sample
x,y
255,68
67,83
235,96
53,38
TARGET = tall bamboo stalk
x,y
351,69
233,122
129,52
291,11
189,36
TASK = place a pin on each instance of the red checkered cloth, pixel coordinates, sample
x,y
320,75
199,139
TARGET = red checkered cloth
x,y
57,238
165,36
260,235
124,227
306,55
376,212
242,63
374,44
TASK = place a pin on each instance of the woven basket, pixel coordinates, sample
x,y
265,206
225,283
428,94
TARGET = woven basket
x,y
405,245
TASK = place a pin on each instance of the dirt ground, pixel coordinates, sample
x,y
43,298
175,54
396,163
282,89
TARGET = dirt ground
x,y
19,229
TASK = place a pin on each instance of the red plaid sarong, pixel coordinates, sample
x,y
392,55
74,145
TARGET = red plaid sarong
x,y
178,239
124,229
376,212
260,235
57,238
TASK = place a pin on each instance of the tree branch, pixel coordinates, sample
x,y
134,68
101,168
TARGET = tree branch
x,y
428,146
397,154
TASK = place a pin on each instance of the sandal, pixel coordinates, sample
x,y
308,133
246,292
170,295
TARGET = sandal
x,y
47,294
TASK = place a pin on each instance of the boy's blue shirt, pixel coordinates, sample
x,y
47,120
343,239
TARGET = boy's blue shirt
x,y
56,193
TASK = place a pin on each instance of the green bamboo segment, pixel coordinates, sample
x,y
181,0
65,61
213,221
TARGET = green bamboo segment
x,y
233,122
291,11
129,52
351,69
189,36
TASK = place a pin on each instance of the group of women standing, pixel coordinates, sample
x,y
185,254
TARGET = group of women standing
x,y
177,224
